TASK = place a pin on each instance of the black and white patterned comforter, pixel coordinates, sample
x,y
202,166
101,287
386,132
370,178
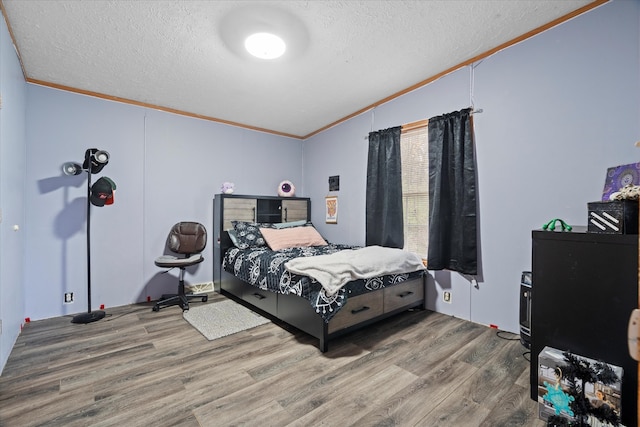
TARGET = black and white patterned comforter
x,y
264,269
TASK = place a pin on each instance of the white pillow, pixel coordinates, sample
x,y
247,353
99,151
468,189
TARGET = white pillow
x,y
290,224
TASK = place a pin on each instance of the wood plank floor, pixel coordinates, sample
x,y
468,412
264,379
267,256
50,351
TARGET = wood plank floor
x,y
141,368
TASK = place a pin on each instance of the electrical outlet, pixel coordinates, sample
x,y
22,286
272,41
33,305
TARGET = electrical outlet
x,y
68,297
446,297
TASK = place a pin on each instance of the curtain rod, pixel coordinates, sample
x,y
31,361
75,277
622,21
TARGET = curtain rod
x,y
420,123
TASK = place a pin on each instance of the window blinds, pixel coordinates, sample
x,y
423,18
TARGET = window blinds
x,y
415,189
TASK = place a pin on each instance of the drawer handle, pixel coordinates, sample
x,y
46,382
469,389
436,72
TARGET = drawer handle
x,y
360,310
405,294
257,295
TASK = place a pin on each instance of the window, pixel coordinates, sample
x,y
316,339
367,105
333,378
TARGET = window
x,y
414,149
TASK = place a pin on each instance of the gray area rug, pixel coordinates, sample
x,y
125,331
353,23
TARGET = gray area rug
x,y
219,319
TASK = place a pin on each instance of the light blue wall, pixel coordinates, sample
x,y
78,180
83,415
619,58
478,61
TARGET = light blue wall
x,y
12,182
167,169
559,109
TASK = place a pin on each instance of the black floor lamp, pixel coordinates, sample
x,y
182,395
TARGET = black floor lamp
x,y
94,161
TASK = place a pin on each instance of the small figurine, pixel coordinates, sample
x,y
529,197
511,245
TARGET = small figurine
x,y
286,189
227,187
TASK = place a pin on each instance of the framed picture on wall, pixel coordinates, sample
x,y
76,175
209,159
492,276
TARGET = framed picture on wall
x,y
331,211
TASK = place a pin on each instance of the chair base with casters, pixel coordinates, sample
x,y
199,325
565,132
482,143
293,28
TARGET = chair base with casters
x,y
185,238
181,298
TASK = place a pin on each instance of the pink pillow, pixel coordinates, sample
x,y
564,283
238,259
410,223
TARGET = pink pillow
x,y
294,237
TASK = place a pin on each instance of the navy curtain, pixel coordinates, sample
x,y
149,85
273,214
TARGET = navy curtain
x,y
384,190
452,194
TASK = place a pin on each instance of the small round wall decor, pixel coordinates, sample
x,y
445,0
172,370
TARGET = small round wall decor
x,y
286,189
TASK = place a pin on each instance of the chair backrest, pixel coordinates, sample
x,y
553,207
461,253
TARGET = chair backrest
x,y
187,238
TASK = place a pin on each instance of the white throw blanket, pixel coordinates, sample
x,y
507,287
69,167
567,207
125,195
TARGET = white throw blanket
x,y
333,271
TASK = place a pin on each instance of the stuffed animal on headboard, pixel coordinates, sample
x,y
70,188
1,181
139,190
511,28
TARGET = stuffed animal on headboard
x,y
227,188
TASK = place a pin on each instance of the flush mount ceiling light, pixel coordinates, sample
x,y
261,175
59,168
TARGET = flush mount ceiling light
x,y
265,45
242,25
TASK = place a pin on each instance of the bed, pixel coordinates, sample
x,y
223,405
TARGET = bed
x,y
268,282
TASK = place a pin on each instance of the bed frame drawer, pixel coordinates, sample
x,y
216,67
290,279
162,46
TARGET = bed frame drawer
x,y
358,309
233,285
264,300
401,295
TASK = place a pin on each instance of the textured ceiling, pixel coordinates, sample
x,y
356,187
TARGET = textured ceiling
x,y
184,55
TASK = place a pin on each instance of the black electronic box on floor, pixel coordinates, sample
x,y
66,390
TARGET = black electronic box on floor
x,y
525,309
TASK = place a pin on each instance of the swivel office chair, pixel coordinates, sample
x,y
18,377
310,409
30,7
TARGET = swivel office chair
x,y
188,239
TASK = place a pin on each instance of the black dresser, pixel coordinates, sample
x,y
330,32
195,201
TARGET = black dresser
x,y
584,288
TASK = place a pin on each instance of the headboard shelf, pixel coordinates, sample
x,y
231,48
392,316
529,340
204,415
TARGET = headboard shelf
x,y
241,207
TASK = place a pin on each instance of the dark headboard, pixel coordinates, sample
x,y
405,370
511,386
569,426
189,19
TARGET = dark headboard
x,y
263,209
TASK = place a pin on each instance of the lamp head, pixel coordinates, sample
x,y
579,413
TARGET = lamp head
x,y
71,168
101,156
95,160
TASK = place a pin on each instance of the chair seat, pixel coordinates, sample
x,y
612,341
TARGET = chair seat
x,y
169,261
